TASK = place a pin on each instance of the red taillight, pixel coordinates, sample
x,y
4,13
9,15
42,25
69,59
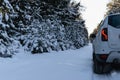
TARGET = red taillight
x,y
104,56
104,34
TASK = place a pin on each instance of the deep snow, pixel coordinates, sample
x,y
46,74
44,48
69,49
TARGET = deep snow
x,y
62,65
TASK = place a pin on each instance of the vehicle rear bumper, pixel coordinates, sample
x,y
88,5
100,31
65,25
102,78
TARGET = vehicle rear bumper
x,y
112,58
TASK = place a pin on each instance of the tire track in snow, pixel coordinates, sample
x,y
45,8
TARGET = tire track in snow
x,y
101,77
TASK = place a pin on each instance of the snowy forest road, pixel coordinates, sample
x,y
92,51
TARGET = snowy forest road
x,y
62,65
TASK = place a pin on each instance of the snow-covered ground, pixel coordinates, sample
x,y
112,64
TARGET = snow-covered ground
x,y
62,65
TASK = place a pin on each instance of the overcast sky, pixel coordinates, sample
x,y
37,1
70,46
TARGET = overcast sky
x,y
94,12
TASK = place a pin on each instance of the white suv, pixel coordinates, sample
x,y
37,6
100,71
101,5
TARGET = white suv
x,y
106,45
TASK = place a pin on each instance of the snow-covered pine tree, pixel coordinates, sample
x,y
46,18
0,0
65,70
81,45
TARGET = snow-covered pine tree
x,y
7,29
63,28
45,25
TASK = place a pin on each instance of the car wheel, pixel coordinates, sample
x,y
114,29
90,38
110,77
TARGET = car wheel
x,y
107,68
98,67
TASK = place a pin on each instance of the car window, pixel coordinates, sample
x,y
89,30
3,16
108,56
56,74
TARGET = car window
x,y
114,21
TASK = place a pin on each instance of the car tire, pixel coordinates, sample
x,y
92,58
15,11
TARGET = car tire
x,y
98,67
